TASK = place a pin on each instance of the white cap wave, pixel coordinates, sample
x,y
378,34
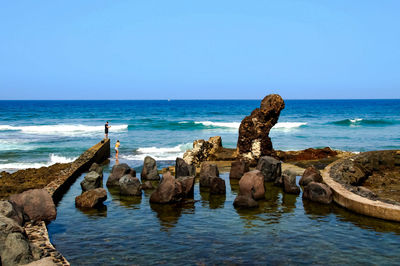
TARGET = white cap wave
x,y
160,154
236,125
53,159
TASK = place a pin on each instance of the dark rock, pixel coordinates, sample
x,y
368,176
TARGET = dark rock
x,y
149,171
11,210
254,140
307,154
238,168
311,174
184,169
91,198
251,188
318,192
165,192
203,150
173,190
97,168
187,184
147,185
217,186
118,171
130,186
91,181
207,172
14,245
36,204
365,192
289,183
270,167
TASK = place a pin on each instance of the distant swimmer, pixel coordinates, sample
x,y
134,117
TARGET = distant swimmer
x,y
106,127
116,149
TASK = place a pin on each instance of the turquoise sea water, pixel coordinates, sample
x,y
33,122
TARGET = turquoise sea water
x,y
36,133
206,230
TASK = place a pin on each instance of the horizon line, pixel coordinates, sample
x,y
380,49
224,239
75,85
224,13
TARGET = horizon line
x,y
227,99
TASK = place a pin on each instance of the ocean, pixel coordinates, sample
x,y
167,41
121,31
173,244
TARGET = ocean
x,y
40,133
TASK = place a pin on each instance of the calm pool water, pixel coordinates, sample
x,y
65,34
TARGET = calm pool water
x,y
209,230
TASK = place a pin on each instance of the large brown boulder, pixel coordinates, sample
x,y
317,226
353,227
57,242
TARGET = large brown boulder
x,y
318,192
173,190
118,171
238,168
91,181
130,186
207,172
149,171
36,204
184,169
217,186
97,168
289,183
270,167
311,174
91,198
251,188
254,140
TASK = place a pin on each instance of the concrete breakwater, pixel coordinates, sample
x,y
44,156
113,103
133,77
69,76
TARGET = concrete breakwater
x,y
36,231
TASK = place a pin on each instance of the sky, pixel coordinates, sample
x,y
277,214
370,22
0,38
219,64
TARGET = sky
x,y
300,49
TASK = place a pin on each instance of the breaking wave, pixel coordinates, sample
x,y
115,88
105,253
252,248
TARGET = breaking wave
x,y
160,154
53,159
363,122
61,129
289,125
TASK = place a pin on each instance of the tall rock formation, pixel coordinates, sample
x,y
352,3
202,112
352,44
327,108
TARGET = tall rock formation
x,y
254,141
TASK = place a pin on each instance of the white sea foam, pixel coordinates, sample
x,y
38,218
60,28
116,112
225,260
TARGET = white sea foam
x,y
61,129
234,125
289,125
53,159
15,144
355,120
160,154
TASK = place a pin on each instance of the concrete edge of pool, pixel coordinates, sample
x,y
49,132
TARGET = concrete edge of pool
x,y
37,233
356,203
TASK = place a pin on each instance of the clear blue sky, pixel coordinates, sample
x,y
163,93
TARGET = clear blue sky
x,y
301,49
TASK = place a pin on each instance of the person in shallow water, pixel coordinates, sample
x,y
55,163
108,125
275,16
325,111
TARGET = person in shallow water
x,y
106,127
116,149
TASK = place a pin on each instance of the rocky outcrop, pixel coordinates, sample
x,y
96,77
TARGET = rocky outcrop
x,y
149,171
36,204
11,210
251,188
173,190
91,198
97,168
270,167
238,168
318,192
130,186
210,150
14,245
307,154
289,183
91,181
207,172
254,141
217,186
184,169
311,174
118,171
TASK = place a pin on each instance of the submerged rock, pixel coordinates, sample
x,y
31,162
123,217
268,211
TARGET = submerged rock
x,y
36,204
254,141
91,181
270,167
251,188
118,171
130,186
207,172
91,198
238,168
184,169
311,174
149,171
217,186
289,183
318,192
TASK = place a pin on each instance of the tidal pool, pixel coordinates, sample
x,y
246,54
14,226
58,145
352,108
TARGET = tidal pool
x,y
209,230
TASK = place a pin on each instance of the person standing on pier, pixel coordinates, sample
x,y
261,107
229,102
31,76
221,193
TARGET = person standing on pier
x,y
116,149
106,127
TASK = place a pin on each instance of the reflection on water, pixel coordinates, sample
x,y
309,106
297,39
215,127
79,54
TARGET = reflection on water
x,y
209,230
98,212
